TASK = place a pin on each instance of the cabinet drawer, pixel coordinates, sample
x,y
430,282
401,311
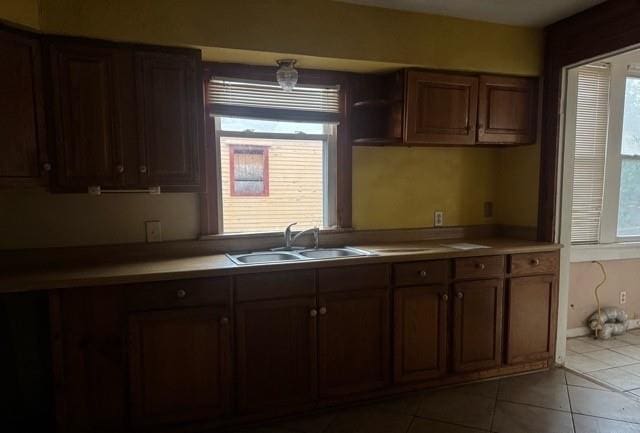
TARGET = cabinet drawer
x,y
180,293
534,263
418,273
272,285
479,267
353,278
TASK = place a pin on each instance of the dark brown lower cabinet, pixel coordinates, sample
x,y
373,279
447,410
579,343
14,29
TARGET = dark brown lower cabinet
x,y
179,363
531,317
354,341
276,354
477,327
420,332
90,359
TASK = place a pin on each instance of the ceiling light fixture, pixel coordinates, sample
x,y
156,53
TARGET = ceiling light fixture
x,y
287,75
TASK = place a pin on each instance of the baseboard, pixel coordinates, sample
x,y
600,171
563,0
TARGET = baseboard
x,y
582,331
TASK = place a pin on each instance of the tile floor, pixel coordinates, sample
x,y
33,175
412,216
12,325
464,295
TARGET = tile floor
x,y
551,402
615,362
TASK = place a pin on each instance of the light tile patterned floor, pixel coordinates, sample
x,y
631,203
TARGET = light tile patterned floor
x,y
557,401
614,362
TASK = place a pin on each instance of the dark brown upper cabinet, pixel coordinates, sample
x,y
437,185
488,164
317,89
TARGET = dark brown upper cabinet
x,y
507,110
125,116
440,108
428,108
22,127
169,132
86,109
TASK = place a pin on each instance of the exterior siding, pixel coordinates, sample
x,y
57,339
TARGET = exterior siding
x,y
295,187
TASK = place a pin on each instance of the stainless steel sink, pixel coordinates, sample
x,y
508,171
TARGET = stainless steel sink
x,y
263,257
297,255
333,253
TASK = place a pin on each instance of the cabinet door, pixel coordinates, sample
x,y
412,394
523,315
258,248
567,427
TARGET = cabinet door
x,y
89,150
179,365
441,108
276,348
90,359
420,332
21,109
353,335
169,100
507,110
477,325
531,315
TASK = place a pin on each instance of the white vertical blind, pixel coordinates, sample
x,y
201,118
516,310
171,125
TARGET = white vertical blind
x,y
592,119
229,91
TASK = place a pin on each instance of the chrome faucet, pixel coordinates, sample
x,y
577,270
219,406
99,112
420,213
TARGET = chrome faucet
x,y
289,240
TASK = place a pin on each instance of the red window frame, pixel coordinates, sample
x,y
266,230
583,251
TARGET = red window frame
x,y
235,148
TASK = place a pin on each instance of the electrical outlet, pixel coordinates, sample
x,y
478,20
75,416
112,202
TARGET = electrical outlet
x,y
438,218
623,297
154,231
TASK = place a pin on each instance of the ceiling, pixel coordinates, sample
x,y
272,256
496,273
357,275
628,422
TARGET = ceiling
x,y
531,13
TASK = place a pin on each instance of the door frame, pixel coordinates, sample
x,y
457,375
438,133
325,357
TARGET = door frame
x,y
601,31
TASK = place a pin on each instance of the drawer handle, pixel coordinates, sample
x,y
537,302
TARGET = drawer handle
x,y
460,295
445,297
313,313
46,166
535,262
481,266
181,294
224,321
142,169
423,273
323,311
120,168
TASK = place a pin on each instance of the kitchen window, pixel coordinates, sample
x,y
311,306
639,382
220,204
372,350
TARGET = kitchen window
x,y
604,103
276,153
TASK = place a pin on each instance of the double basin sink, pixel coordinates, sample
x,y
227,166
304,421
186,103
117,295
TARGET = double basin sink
x,y
297,255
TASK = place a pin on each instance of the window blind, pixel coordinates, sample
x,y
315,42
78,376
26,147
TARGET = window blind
x,y
259,94
592,118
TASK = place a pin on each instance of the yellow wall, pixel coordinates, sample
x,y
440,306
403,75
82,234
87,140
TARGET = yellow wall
x,y
22,12
393,187
312,27
402,187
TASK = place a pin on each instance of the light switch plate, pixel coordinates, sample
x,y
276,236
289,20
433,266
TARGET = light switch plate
x,y
438,218
154,231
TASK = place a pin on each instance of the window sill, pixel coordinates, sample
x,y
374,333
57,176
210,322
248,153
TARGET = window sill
x,y
616,251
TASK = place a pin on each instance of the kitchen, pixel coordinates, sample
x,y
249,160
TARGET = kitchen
x,y
162,152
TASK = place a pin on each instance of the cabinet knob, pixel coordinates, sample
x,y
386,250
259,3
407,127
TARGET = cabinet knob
x,y
120,168
481,266
535,262
46,166
313,313
323,311
460,295
423,273
142,169
181,293
224,321
445,297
